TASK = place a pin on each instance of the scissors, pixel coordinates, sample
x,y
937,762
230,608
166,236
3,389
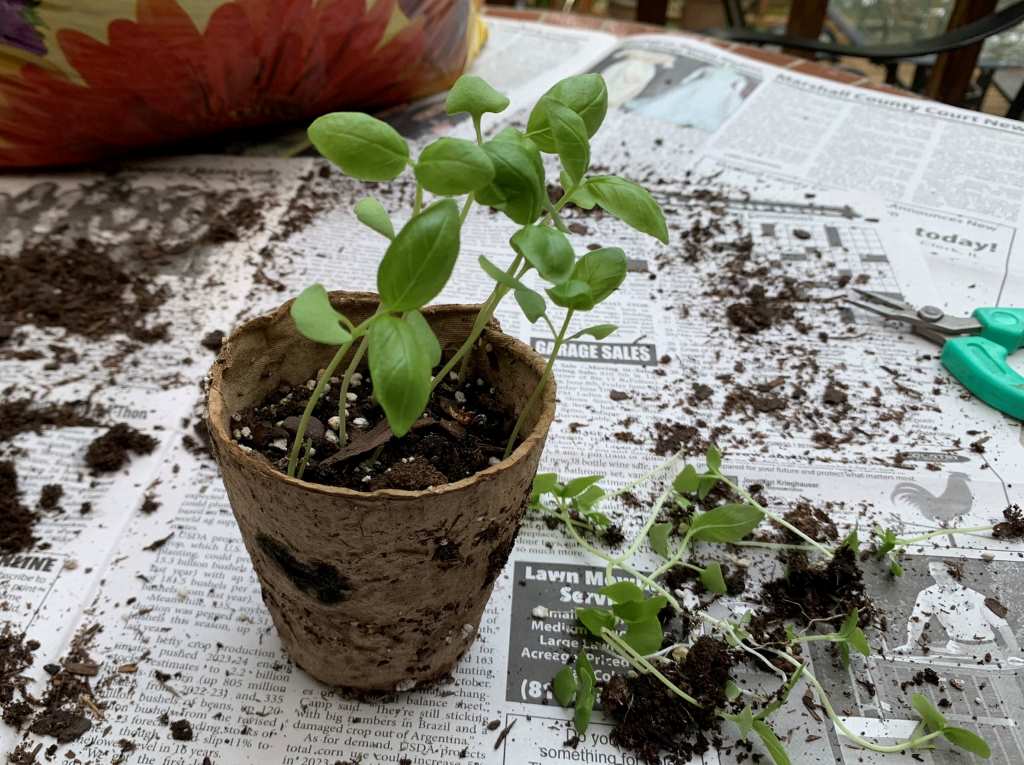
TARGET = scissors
x,y
974,349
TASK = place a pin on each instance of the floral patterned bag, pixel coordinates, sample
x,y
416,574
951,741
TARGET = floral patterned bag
x,y
91,79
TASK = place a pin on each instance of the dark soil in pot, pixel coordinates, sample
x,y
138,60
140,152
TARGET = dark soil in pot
x,y
463,431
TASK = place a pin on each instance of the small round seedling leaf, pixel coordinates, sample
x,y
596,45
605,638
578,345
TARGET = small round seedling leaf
x,y
644,637
363,147
424,336
688,481
517,188
571,141
968,741
530,303
547,250
931,716
598,331
658,538
579,485
316,319
712,579
451,166
622,592
728,523
420,259
585,94
595,619
633,611
630,203
545,483
564,686
400,370
473,95
371,213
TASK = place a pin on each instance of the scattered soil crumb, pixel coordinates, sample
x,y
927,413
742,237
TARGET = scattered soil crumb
x,y
109,452
181,730
17,522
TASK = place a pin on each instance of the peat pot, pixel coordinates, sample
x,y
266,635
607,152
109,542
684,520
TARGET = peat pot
x,y
383,590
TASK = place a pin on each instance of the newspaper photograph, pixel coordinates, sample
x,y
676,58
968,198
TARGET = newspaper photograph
x,y
134,629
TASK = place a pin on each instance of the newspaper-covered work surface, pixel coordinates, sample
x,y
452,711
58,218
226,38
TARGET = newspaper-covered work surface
x,y
780,191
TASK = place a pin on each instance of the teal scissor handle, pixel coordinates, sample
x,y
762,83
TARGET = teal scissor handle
x,y
1004,326
980,364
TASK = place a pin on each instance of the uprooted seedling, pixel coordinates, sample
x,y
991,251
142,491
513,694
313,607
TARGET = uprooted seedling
x,y
672,703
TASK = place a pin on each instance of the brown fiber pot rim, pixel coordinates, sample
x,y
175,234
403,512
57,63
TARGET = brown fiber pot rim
x,y
218,415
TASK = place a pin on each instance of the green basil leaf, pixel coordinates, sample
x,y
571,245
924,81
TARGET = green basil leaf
x,y
598,331
712,579
363,147
644,637
658,538
630,203
420,259
771,743
622,592
586,501
578,485
547,250
859,641
517,188
595,619
732,692
571,140
581,197
968,741
424,336
531,303
585,94
473,95
316,319
400,372
745,719
451,166
584,711
371,213
497,274
728,523
705,484
564,686
585,672
602,271
545,483
931,716
688,481
713,458
571,294
639,610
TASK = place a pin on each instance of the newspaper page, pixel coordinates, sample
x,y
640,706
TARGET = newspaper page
x,y
142,569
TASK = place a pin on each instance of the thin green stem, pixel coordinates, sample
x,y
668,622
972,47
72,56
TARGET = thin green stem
x,y
773,516
727,629
531,402
652,517
772,545
823,699
417,204
486,312
972,530
346,381
641,664
318,391
476,127
465,208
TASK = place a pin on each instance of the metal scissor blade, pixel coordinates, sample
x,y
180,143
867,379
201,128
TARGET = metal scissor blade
x,y
883,305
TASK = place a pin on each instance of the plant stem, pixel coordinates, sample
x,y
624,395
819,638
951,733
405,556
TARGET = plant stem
x,y
486,312
823,699
541,384
641,664
663,467
465,208
771,545
773,516
641,535
318,391
727,629
417,204
476,127
972,530
346,381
